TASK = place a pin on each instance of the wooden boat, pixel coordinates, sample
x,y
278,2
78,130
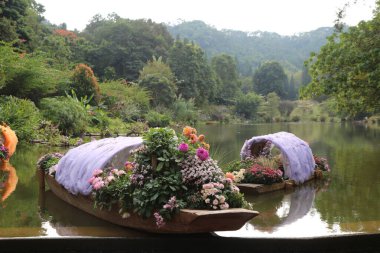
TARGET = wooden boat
x,y
187,221
263,188
296,155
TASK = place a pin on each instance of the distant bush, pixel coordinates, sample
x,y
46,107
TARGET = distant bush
x,y
184,111
69,114
155,119
296,118
124,100
84,83
21,115
248,104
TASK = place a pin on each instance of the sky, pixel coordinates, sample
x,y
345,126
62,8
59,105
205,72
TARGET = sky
x,y
285,17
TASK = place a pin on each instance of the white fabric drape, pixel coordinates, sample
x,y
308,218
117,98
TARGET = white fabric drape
x,y
77,166
296,154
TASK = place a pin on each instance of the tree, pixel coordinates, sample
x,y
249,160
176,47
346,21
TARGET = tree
x,y
84,82
20,23
248,104
347,69
195,79
157,77
28,75
270,77
228,78
125,45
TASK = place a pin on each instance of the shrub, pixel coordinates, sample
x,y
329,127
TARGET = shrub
x,y
248,104
184,111
70,116
21,115
84,82
155,119
124,100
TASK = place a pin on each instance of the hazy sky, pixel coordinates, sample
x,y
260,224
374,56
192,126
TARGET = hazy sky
x,y
285,17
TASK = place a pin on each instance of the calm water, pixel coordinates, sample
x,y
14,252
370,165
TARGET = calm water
x,y
345,202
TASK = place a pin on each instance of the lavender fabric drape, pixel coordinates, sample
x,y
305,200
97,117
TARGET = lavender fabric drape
x,y
76,167
296,154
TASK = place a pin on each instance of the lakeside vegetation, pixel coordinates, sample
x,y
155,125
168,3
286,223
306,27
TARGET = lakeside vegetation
x,y
121,76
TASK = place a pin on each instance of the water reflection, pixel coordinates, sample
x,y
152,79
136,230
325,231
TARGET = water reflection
x,y
62,219
8,181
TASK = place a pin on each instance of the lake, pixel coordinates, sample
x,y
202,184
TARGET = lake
x,y
345,202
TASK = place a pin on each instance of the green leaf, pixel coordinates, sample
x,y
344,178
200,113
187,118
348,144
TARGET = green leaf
x,y
159,166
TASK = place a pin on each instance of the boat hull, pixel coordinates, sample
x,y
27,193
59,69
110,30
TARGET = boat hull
x,y
187,221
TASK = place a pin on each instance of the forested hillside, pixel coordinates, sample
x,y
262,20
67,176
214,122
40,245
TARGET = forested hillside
x,y
253,48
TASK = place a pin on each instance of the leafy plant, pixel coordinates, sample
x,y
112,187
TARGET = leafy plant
x,y
70,116
21,114
155,119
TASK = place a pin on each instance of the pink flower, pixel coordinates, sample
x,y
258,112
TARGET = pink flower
x,y
98,185
202,154
91,179
208,186
110,178
183,147
97,172
224,206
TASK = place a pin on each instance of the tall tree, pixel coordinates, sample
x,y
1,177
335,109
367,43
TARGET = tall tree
x,y
228,78
157,77
348,68
195,79
270,77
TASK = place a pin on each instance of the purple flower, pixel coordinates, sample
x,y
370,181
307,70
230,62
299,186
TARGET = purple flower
x,y
183,147
159,220
202,154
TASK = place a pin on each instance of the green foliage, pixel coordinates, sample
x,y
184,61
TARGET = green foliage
x,y
250,49
21,115
347,69
69,114
286,107
269,110
157,77
228,78
27,76
248,104
84,82
190,66
270,77
48,160
124,45
156,119
156,193
184,111
127,101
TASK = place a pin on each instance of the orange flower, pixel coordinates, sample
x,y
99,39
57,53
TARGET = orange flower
x,y
187,131
201,138
206,145
230,176
193,138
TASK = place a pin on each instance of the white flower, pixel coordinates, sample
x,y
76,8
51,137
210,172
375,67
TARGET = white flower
x,y
126,215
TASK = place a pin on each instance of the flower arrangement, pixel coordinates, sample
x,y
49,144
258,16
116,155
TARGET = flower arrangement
x,y
4,152
168,172
46,163
321,163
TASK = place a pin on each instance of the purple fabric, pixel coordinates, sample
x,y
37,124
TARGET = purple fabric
x,y
76,167
296,154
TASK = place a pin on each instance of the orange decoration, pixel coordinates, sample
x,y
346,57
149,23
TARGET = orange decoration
x,y
10,139
201,138
187,131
